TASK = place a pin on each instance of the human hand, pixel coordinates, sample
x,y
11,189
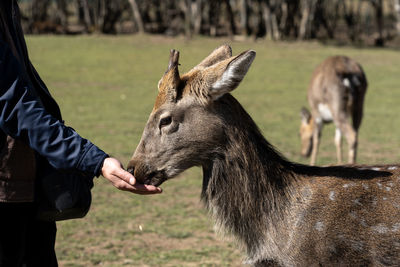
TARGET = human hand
x,y
113,171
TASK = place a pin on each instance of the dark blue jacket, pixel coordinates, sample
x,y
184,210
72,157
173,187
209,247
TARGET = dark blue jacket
x,y
28,112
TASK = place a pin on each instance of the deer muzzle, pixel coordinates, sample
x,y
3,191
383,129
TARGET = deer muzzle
x,y
144,175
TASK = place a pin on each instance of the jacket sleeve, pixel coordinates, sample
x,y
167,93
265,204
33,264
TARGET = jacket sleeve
x,y
23,116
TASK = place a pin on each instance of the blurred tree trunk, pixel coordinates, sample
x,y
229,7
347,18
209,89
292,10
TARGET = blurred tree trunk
x,y
319,19
213,16
231,18
352,14
62,14
186,6
197,7
136,15
397,11
113,13
290,14
84,15
275,28
307,19
244,17
304,18
284,15
39,10
270,21
163,21
328,18
377,4
98,14
39,22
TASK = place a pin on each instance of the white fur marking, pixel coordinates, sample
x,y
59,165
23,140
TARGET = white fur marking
x,y
346,82
380,228
332,195
376,169
319,226
392,168
357,245
396,227
306,192
363,223
325,112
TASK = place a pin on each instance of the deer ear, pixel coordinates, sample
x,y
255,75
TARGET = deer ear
x,y
169,83
232,73
221,53
305,115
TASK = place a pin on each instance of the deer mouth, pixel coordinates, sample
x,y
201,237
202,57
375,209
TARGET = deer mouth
x,y
155,178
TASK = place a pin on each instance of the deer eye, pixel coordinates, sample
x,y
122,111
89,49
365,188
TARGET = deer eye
x,y
165,121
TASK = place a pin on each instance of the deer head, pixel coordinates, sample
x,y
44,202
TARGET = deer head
x,y
185,127
306,132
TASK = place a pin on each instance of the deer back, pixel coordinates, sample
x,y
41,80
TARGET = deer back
x,y
337,84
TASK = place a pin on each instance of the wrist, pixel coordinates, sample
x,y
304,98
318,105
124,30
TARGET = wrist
x,y
101,166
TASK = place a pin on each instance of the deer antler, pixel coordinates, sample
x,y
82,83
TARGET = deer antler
x,y
173,59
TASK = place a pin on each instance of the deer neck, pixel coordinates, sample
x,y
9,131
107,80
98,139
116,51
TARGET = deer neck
x,y
247,186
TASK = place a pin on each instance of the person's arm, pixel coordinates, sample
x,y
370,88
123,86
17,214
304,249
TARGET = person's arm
x,y
23,116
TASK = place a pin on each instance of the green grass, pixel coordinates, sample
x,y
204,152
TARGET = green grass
x,y
106,88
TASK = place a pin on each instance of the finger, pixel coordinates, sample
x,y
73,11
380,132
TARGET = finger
x,y
147,188
137,188
124,175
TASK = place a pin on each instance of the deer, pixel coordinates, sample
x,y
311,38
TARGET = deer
x,y
336,94
279,213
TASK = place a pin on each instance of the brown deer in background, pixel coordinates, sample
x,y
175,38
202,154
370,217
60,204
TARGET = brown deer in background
x,y
336,93
281,213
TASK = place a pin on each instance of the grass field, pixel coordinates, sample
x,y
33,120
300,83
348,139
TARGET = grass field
x,y
106,88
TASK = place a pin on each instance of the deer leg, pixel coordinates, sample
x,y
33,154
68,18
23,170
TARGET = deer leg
x,y
352,140
316,139
338,144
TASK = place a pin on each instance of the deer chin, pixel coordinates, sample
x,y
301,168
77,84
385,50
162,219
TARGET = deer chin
x,y
157,179
154,178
